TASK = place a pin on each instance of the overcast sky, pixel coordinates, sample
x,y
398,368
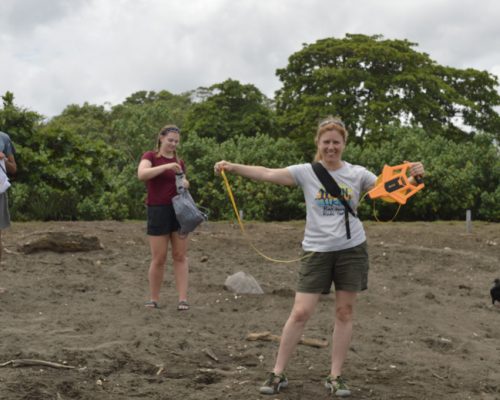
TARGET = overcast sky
x,y
59,52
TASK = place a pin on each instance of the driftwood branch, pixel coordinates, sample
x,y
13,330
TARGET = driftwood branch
x,y
59,242
269,337
25,362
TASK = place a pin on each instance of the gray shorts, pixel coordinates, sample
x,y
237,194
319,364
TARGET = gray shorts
x,y
4,211
347,269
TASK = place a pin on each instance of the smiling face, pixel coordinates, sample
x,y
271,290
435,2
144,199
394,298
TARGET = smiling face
x,y
330,146
169,142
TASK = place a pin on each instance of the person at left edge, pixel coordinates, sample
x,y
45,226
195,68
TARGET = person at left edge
x,y
8,162
158,169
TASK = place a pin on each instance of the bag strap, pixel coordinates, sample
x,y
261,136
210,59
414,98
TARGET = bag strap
x,y
333,188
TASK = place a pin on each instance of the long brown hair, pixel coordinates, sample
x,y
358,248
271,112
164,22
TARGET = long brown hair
x,y
330,123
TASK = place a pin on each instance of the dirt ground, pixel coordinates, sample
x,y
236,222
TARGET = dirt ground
x,y
425,329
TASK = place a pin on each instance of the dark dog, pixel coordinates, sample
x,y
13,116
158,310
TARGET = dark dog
x,y
495,293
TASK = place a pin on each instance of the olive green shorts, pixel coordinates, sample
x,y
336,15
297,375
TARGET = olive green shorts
x,y
347,269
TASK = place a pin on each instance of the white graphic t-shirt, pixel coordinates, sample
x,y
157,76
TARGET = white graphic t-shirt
x,y
325,224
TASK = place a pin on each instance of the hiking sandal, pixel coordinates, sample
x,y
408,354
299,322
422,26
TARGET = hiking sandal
x,y
183,305
274,383
337,386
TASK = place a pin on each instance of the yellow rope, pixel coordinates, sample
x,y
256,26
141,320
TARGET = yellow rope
x,y
240,223
375,213
393,217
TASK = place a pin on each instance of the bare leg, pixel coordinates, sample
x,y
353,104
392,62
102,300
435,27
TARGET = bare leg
x,y
303,308
180,261
342,332
159,247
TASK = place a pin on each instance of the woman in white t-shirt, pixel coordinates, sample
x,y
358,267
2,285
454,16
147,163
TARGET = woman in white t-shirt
x,y
332,255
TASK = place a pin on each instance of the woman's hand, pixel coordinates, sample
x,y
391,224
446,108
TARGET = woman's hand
x,y
417,169
174,166
222,165
416,172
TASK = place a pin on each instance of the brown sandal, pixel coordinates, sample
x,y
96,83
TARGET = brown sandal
x,y
183,305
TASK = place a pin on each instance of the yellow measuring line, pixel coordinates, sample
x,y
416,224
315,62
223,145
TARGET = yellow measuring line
x,y
390,220
374,211
240,223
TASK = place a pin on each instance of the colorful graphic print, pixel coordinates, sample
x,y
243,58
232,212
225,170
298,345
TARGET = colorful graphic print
x,y
332,205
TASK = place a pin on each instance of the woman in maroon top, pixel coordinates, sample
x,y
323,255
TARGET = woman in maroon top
x,y
157,169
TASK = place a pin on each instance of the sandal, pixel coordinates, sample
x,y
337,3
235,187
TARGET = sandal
x,y
183,305
274,383
337,386
151,304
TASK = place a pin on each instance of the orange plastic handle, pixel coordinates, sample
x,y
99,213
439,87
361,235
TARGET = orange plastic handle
x,y
393,185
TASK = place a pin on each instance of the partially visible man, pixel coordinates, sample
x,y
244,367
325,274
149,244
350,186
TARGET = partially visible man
x,y
8,167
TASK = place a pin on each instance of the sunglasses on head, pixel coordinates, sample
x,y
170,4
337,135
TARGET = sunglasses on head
x,y
171,129
332,121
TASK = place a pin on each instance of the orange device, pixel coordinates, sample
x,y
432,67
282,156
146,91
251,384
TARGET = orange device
x,y
393,185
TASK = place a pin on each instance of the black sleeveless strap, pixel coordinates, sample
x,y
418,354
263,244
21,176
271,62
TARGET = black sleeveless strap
x,y
332,187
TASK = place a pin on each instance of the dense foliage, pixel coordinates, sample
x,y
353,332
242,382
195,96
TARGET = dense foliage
x,y
373,83
230,109
398,105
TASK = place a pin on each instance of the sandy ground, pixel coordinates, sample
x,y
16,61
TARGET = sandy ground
x,y
425,329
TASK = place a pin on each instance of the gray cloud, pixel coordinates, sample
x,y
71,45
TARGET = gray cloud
x,y
24,16
58,52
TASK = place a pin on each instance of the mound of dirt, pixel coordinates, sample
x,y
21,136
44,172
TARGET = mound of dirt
x,y
425,329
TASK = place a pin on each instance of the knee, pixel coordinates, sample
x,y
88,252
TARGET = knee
x,y
300,315
179,256
344,313
158,262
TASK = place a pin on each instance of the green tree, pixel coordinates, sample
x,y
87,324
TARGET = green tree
x,y
136,122
18,122
258,200
229,109
62,169
371,83
89,121
177,105
21,125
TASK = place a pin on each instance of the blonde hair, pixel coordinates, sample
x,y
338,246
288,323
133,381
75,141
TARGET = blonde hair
x,y
330,123
163,131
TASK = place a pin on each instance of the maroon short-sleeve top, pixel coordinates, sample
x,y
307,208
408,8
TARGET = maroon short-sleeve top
x,y
161,189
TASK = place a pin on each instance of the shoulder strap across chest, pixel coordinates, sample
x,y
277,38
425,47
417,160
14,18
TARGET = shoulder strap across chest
x,y
333,188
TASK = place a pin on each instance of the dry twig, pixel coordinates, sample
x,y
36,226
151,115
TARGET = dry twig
x,y
267,336
25,362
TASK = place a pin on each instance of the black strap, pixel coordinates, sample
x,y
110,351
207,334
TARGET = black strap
x,y
332,187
